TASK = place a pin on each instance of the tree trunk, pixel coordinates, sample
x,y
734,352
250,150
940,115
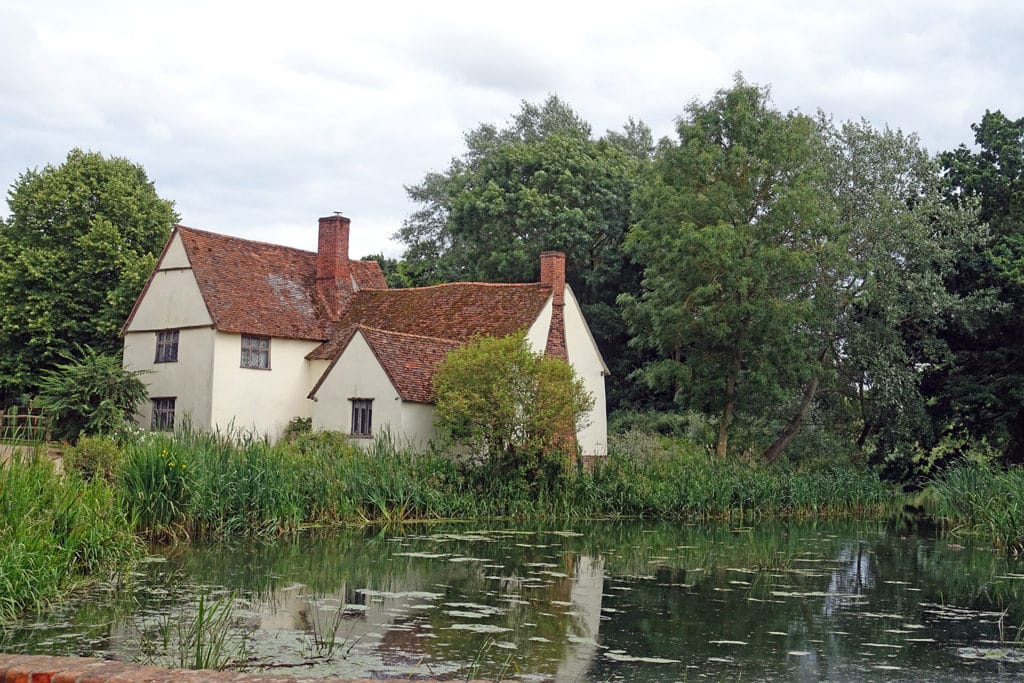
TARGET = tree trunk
x,y
730,404
787,436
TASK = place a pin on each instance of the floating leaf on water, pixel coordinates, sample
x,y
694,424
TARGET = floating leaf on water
x,y
479,628
886,667
777,633
567,534
540,564
993,654
466,559
883,645
723,660
460,614
561,603
727,642
505,645
581,641
539,639
920,640
798,653
421,554
620,656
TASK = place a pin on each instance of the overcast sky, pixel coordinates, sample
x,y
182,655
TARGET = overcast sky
x,y
256,118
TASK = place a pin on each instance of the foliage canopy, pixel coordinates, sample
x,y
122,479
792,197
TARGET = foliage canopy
x,y
518,410
75,251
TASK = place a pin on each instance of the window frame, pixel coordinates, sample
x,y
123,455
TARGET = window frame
x,y
362,418
258,346
162,419
167,342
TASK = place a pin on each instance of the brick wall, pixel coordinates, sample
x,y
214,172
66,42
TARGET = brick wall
x,y
43,669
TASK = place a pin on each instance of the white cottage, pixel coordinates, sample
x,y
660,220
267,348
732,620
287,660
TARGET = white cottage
x,y
246,335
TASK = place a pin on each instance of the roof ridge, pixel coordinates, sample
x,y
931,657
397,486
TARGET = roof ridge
x,y
480,284
260,243
447,340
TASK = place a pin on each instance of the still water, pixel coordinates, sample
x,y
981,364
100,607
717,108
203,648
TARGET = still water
x,y
587,601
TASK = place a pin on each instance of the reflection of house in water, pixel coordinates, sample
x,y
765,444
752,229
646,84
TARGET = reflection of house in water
x,y
402,626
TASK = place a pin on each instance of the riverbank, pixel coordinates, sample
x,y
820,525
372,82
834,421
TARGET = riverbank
x,y
63,530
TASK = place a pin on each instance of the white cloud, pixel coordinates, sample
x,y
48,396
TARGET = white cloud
x,y
256,117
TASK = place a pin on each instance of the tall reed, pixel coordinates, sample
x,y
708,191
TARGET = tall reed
x,y
56,532
985,501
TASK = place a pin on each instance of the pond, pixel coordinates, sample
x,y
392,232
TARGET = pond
x,y
603,601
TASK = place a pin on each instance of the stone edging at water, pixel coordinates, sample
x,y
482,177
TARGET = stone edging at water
x,y
45,669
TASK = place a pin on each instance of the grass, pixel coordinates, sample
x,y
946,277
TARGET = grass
x,y
983,501
56,532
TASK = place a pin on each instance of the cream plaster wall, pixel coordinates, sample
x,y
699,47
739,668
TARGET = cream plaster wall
x,y
260,402
187,380
586,360
172,299
417,425
357,374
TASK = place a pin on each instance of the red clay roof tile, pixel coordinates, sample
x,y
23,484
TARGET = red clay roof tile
x,y
267,289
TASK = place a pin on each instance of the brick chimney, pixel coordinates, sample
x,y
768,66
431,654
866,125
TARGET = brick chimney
x,y
552,273
333,269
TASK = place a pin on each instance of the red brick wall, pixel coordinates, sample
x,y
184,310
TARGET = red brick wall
x,y
43,669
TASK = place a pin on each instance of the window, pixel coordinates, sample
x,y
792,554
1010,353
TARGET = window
x,y
362,416
163,413
255,352
167,346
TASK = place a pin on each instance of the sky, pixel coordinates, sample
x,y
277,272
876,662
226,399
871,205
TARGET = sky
x,y
256,118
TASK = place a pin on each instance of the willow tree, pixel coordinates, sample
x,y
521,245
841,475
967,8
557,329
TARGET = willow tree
x,y
731,232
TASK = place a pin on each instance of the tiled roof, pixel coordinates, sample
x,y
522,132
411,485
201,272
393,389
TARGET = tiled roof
x,y
266,289
408,359
460,310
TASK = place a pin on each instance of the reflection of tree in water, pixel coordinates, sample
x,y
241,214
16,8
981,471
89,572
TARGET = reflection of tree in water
x,y
851,576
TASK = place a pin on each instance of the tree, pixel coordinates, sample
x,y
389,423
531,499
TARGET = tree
x,y
542,183
730,233
880,301
982,390
519,410
75,251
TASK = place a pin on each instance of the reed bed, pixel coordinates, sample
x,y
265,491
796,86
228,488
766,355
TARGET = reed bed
x,y
191,485
56,532
984,501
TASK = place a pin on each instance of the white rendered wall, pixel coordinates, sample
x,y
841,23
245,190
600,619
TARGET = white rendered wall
x,y
172,299
358,374
417,425
187,380
259,402
586,360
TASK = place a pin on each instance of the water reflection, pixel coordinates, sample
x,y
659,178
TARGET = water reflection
x,y
597,601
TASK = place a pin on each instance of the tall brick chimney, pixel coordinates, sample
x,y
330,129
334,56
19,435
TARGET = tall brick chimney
x,y
552,273
333,269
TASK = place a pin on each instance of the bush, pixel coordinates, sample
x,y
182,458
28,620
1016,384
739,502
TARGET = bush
x,y
517,410
94,457
93,394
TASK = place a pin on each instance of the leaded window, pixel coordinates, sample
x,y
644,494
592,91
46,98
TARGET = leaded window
x,y
362,416
167,346
255,352
163,413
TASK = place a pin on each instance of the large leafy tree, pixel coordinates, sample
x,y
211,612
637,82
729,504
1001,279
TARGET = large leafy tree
x,y
794,271
542,182
75,251
880,300
730,233
982,391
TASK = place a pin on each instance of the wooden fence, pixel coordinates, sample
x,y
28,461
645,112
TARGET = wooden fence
x,y
27,425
